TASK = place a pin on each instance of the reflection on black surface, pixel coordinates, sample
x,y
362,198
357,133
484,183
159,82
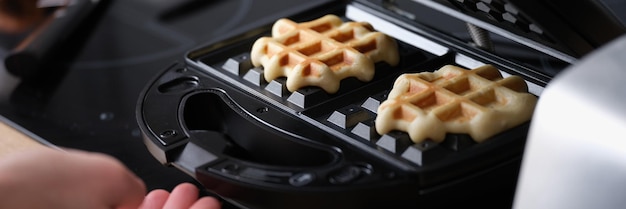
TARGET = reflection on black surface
x,y
34,91
503,47
182,8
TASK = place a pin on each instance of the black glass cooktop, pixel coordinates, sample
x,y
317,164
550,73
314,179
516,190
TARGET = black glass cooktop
x,y
87,97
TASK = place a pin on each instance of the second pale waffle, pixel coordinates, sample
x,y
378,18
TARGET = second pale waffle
x,y
477,102
322,52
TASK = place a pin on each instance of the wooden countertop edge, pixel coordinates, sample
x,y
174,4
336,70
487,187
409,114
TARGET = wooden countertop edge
x,y
12,139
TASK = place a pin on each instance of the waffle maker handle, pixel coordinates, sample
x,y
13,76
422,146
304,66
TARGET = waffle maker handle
x,y
254,153
212,135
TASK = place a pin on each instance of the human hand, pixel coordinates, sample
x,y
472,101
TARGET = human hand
x,y
184,196
47,178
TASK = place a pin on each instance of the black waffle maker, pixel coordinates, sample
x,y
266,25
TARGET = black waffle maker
x,y
260,146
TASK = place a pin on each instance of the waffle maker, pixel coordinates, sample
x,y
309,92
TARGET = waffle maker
x,y
258,145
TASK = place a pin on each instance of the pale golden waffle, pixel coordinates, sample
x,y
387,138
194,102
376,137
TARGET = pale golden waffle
x,y
322,52
477,102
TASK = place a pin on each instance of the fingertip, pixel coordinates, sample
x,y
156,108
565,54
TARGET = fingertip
x,y
207,203
186,189
186,186
157,194
182,196
155,199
